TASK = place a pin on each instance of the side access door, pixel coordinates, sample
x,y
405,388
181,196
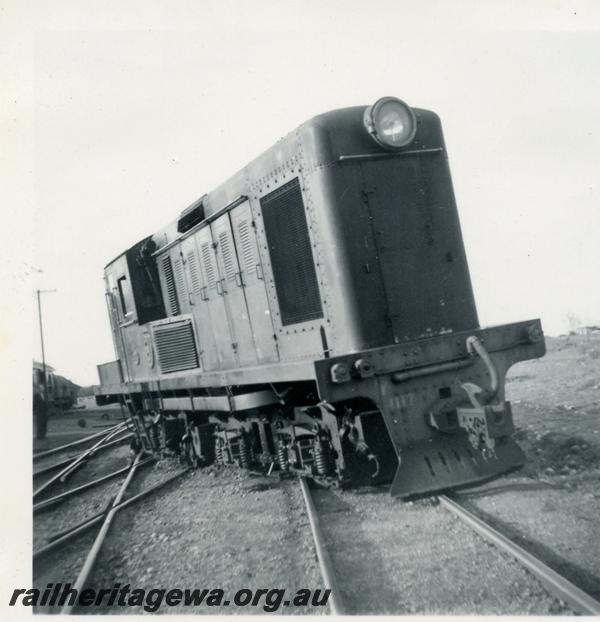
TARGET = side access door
x,y
214,300
199,305
230,288
253,283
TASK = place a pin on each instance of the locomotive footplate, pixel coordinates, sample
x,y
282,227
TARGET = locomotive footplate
x,y
451,462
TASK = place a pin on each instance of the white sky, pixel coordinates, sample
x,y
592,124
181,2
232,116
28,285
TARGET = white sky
x,y
123,113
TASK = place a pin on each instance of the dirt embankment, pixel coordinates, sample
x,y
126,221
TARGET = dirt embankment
x,y
556,406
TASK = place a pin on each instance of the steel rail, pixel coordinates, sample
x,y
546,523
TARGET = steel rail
x,y
554,582
336,601
70,459
93,553
55,466
73,463
77,462
74,491
103,446
62,538
81,441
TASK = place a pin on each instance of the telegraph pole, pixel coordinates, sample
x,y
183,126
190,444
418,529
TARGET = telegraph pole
x,y
45,379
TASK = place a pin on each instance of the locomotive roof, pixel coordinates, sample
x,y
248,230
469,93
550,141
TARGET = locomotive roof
x,y
317,142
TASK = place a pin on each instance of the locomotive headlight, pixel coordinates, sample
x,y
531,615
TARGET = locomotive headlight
x,y
390,122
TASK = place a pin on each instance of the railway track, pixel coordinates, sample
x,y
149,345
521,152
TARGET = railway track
x,y
557,585
102,520
107,518
93,555
336,600
82,441
554,582
67,466
99,523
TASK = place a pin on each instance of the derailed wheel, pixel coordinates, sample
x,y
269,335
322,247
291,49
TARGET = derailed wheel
x,y
190,452
204,444
197,446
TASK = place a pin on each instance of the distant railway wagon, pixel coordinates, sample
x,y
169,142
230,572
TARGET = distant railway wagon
x,y
61,392
315,314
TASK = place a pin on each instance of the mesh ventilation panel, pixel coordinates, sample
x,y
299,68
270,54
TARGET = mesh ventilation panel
x,y
291,255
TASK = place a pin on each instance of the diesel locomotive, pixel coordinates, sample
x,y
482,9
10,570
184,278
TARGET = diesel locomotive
x,y
315,314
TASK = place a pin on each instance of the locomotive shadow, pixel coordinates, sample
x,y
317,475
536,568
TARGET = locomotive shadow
x,y
348,536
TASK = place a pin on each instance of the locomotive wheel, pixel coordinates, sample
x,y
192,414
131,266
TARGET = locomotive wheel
x,y
187,453
192,457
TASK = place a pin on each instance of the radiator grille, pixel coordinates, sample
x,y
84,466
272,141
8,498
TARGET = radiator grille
x,y
172,302
291,256
175,346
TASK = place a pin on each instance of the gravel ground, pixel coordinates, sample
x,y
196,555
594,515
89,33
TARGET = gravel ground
x,y
556,406
385,563
416,558
216,528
